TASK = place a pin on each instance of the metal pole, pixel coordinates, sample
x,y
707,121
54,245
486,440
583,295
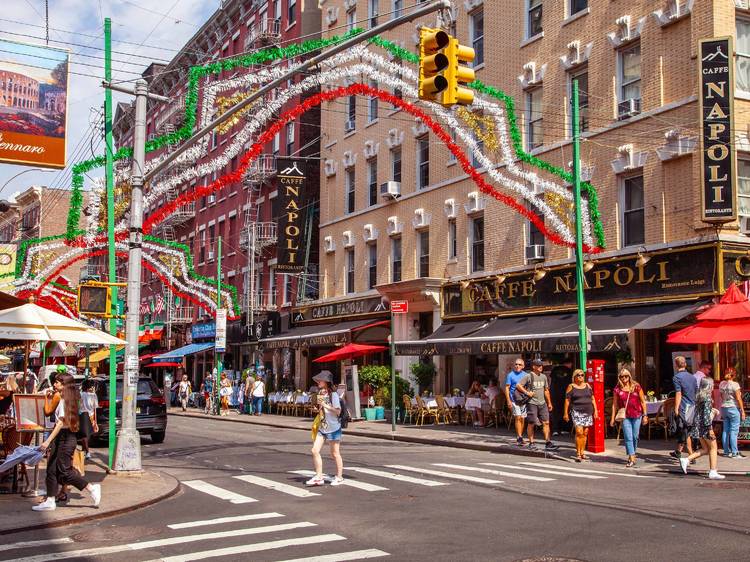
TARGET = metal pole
x,y
109,175
252,276
393,376
582,333
218,356
310,63
128,456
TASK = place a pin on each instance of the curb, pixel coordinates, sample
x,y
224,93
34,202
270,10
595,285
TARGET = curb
x,y
176,487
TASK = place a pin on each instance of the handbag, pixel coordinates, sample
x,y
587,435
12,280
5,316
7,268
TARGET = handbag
x,y
315,427
79,461
620,415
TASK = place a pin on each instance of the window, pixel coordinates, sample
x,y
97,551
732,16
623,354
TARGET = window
x,y
743,188
534,236
203,246
372,180
351,19
396,164
633,225
350,190
287,288
351,122
396,260
423,162
629,66
232,227
277,10
534,132
398,8
350,271
276,143
582,76
424,253
289,138
397,90
477,36
272,289
291,12
534,18
452,240
372,12
372,277
372,104
577,6
477,244
742,55
211,242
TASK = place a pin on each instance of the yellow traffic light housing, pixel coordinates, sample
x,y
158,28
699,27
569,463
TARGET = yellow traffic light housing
x,y
457,74
432,63
95,299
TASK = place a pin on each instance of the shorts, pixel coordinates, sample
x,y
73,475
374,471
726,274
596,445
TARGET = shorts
x,y
537,414
333,436
519,411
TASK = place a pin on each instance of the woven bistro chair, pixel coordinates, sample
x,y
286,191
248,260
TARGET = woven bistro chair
x,y
410,410
311,408
424,412
659,421
443,410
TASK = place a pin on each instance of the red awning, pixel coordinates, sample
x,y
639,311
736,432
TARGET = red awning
x,y
350,351
732,306
164,364
713,331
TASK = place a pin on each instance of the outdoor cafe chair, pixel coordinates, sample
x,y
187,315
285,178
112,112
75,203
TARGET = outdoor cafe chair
x,y
423,411
410,411
443,410
311,408
659,421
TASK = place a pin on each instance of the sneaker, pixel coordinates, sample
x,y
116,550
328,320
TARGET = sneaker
x,y
47,505
88,455
739,456
555,433
96,494
519,441
315,481
684,464
532,446
713,475
337,481
550,446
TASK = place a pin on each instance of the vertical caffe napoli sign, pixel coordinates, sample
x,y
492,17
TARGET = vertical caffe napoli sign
x,y
292,175
718,165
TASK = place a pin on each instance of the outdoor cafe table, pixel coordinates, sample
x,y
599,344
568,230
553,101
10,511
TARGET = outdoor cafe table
x,y
652,408
476,403
431,401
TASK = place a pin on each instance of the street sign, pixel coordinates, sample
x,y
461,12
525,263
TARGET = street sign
x,y
221,330
399,307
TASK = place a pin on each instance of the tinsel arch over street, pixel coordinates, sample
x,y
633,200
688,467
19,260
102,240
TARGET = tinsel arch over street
x,y
484,138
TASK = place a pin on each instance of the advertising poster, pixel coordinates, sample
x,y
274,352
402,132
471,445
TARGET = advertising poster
x,y
7,266
33,104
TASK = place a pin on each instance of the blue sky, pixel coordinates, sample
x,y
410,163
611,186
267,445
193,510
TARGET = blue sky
x,y
142,30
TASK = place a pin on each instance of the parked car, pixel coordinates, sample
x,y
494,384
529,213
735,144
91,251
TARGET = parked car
x,y
150,412
45,372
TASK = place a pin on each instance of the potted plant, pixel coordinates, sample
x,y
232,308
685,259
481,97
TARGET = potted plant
x,y
423,373
375,378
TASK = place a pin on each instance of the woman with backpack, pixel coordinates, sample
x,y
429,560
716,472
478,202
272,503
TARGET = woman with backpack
x,y
329,410
581,407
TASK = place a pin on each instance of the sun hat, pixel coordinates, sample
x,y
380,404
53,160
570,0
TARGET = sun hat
x,y
323,376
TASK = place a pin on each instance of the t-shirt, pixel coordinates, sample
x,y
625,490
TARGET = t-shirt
x,y
492,392
580,400
60,411
331,422
685,383
259,389
89,402
539,383
511,380
698,376
727,390
184,387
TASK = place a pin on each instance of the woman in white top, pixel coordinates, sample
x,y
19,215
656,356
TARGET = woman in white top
x,y
732,412
259,393
329,409
184,389
89,404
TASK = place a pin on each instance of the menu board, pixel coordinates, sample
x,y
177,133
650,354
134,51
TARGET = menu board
x,y
29,412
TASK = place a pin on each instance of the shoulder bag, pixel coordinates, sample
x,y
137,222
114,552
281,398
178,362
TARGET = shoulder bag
x,y
620,415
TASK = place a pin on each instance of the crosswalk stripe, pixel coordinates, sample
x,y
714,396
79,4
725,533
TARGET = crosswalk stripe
x,y
222,520
256,547
278,486
585,470
62,555
463,477
342,556
217,492
395,476
545,471
353,483
495,472
34,544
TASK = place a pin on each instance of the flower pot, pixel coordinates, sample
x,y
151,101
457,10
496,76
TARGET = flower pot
x,y
379,412
370,414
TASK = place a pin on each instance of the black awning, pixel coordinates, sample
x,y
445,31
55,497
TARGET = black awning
x,y
446,335
317,334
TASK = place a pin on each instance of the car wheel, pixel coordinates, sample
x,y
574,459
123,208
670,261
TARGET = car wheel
x,y
158,436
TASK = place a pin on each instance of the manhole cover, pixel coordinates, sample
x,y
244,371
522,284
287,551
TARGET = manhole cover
x,y
550,559
102,534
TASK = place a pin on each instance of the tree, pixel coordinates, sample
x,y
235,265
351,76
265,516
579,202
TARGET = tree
x,y
60,74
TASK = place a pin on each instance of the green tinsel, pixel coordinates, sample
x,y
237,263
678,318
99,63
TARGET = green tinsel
x,y
21,254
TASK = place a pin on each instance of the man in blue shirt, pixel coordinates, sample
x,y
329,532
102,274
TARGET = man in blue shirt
x,y
686,387
519,411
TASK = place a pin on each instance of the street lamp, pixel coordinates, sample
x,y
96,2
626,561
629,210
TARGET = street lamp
x,y
24,172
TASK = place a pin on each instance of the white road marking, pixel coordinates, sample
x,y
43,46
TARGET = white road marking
x,y
222,520
353,483
217,492
34,544
278,486
545,471
395,476
145,545
463,477
340,557
495,472
585,470
257,547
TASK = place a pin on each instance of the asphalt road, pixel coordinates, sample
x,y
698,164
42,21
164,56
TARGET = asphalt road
x,y
241,501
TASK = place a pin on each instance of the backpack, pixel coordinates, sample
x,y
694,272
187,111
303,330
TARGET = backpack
x,y
344,417
521,398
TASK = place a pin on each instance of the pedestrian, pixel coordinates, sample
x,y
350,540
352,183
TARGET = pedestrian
x,y
62,445
560,378
31,381
241,398
517,409
704,370
184,389
259,393
225,391
581,407
249,382
703,429
208,394
329,409
685,387
89,404
732,412
540,404
629,408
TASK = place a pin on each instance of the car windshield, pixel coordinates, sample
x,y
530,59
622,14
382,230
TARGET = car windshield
x,y
145,388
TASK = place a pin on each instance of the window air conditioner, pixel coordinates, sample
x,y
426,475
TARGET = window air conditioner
x,y
628,108
210,255
476,202
348,239
535,252
329,244
421,218
211,199
390,190
349,126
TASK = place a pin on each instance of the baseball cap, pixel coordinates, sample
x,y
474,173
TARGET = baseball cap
x,y
537,363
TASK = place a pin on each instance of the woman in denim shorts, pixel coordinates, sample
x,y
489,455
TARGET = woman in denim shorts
x,y
329,407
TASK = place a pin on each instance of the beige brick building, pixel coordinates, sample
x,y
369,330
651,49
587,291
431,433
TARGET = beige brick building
x,y
637,68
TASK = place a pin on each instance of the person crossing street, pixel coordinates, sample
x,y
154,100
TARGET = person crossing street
x,y
540,404
517,409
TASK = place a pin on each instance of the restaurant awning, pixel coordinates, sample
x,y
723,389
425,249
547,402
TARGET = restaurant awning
x,y
100,355
319,334
546,333
176,355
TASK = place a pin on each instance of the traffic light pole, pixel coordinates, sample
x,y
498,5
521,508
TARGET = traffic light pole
x,y
218,355
582,333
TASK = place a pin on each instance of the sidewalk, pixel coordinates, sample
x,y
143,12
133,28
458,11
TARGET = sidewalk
x,y
120,494
653,454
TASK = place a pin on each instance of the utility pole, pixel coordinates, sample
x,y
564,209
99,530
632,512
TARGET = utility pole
x,y
217,353
112,258
582,331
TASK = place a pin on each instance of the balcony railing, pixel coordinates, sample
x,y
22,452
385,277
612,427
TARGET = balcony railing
x,y
181,315
265,235
263,301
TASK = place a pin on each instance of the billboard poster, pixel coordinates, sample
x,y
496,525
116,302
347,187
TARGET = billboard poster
x,y
7,266
33,104
292,176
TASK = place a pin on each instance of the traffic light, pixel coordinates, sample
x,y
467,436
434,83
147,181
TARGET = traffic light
x,y
441,74
95,300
